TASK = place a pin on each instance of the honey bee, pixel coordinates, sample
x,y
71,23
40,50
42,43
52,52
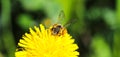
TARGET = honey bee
x,y
58,29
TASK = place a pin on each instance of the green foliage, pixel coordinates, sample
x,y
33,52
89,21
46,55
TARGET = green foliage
x,y
100,47
116,47
25,21
110,16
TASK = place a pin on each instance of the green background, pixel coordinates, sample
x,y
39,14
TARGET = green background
x,y
95,24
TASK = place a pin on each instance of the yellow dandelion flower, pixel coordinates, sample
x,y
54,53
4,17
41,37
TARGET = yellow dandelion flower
x,y
41,43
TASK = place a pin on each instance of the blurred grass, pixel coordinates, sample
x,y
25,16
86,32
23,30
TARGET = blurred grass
x,y
25,21
79,25
116,48
100,47
7,36
118,14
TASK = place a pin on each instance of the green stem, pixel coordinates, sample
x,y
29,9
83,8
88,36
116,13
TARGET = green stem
x,y
116,45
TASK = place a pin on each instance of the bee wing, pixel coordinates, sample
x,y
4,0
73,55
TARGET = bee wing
x,y
61,17
48,22
70,22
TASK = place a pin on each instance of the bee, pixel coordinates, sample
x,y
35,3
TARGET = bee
x,y
57,29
